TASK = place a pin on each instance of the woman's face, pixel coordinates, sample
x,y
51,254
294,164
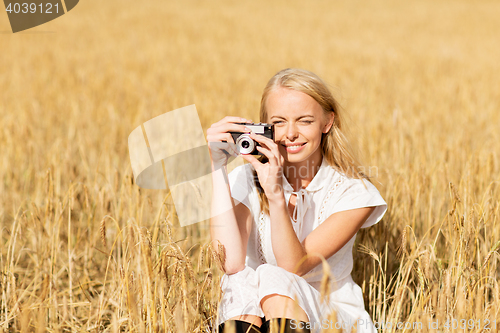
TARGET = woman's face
x,y
299,122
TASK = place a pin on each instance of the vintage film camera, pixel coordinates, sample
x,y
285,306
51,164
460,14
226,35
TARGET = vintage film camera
x,y
245,144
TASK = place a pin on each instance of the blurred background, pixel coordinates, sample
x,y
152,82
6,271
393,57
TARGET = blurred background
x,y
85,249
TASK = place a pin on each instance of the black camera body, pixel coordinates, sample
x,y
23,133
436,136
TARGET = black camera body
x,y
245,144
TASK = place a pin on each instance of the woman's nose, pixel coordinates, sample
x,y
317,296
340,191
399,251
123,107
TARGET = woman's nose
x,y
291,132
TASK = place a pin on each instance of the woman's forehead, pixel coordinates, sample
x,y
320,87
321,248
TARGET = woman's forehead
x,y
286,103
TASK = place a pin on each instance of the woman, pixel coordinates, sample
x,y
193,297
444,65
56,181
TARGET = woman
x,y
302,202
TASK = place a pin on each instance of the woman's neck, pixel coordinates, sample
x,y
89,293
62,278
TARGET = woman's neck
x,y
300,174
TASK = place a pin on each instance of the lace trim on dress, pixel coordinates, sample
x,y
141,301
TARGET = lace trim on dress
x,y
260,237
334,186
337,267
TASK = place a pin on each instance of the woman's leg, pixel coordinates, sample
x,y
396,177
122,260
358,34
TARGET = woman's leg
x,y
241,324
252,319
278,290
240,300
281,299
279,306
242,303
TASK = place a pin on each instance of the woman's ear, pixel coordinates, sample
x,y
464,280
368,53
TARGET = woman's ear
x,y
330,117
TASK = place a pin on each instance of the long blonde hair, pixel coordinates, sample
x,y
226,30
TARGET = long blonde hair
x,y
334,145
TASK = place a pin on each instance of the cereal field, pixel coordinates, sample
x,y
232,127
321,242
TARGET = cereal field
x,y
83,248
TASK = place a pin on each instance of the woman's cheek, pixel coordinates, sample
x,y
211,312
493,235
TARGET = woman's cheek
x,y
278,133
281,149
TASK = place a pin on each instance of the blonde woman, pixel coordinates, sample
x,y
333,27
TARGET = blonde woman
x,y
282,213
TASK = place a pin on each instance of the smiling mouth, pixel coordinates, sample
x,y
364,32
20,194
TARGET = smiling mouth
x,y
294,146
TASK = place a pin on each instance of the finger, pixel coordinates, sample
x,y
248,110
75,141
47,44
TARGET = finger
x,y
278,155
269,154
229,148
220,137
232,150
231,127
268,143
223,141
231,119
262,139
252,160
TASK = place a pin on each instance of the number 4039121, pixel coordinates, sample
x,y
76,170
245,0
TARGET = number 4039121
x,y
42,8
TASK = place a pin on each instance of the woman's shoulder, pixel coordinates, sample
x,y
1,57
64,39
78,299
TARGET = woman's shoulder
x,y
340,180
351,193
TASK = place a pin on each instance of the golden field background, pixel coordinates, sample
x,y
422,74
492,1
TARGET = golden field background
x,y
84,249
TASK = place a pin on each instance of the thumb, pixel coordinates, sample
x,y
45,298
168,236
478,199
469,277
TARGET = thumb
x,y
251,159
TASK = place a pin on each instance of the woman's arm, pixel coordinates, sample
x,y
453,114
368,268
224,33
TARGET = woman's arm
x,y
229,223
325,240
286,247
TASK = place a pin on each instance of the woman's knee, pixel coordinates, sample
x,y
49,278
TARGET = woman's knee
x,y
265,271
280,306
246,276
251,319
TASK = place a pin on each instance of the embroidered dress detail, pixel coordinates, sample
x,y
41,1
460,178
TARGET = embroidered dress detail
x,y
260,239
333,187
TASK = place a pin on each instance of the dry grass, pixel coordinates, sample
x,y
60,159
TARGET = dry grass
x,y
84,249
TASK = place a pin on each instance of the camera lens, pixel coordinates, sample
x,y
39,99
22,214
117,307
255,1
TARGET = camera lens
x,y
245,144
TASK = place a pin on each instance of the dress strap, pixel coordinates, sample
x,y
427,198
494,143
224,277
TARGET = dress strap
x,y
301,206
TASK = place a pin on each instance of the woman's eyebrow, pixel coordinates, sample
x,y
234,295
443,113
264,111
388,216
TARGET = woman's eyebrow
x,y
304,116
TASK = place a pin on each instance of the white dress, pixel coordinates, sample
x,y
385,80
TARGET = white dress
x,y
329,192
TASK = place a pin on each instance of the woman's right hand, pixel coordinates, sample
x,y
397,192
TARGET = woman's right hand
x,y
220,141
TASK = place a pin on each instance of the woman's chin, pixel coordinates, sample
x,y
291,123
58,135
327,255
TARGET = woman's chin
x,y
295,158
301,157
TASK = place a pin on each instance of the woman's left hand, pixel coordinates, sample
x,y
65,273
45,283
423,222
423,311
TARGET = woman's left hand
x,y
270,173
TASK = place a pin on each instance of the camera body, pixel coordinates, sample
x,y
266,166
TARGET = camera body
x,y
245,144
